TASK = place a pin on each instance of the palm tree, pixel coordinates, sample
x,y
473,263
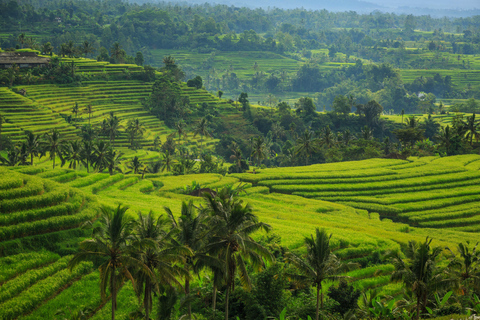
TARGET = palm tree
x,y
167,161
87,153
135,130
446,137
232,225
367,133
328,138
33,145
469,265
87,48
21,38
14,156
89,109
2,121
419,271
236,156
159,255
318,265
403,113
73,153
258,149
113,161
180,127
112,128
202,129
110,244
101,150
306,145
118,54
53,145
135,165
191,233
347,136
75,110
472,128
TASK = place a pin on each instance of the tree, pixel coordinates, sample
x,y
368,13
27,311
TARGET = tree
x,y
135,165
110,244
112,128
139,59
196,82
305,107
419,271
341,104
220,94
21,38
87,153
88,109
243,99
318,265
53,145
113,161
75,110
101,150
33,146
2,121
153,247
180,127
135,130
472,128
468,265
371,111
232,225
72,153
47,48
201,128
167,161
327,137
306,145
258,149
117,53
191,234
87,48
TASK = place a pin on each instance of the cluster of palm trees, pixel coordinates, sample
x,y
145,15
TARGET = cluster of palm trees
x,y
88,152
159,254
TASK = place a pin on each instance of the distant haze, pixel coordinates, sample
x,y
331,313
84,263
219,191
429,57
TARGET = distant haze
x,y
422,7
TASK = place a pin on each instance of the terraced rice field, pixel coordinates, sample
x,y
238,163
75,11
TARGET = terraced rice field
x,y
24,114
428,192
36,213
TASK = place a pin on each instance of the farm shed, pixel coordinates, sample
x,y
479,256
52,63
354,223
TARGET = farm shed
x,y
22,59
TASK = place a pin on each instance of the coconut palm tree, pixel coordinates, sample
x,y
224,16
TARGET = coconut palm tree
x,y
111,245
33,145
419,271
232,225
73,153
101,150
87,48
112,128
87,153
202,129
88,109
167,161
318,265
153,247
53,145
75,110
258,149
2,121
180,128
191,234
135,165
468,264
307,145
472,129
327,137
135,130
113,161
236,156
14,156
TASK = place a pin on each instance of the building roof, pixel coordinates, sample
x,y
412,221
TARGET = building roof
x,y
22,58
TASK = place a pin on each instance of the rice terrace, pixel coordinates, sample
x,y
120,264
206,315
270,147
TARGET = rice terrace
x,y
187,160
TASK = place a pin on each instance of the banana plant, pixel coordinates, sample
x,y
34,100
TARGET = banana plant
x,y
440,303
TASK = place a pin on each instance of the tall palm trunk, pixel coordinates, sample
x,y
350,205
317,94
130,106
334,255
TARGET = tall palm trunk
x,y
31,159
187,292
417,316
147,299
318,300
114,293
214,300
54,155
227,296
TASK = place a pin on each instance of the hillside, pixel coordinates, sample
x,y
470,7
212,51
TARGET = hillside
x,y
358,233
